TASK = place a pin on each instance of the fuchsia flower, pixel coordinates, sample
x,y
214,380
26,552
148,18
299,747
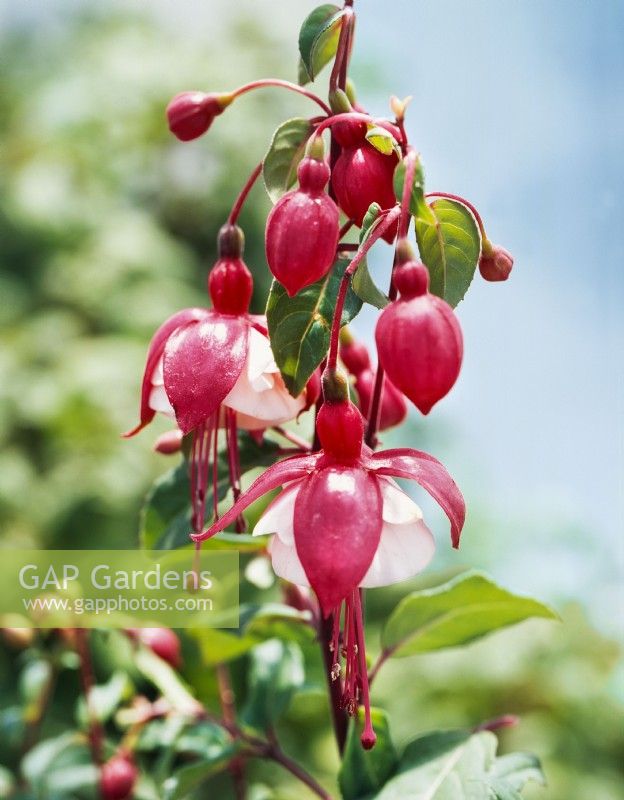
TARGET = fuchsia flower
x,y
213,368
342,523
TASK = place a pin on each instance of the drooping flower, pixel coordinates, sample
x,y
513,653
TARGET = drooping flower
x,y
419,340
213,368
302,228
190,114
362,175
341,523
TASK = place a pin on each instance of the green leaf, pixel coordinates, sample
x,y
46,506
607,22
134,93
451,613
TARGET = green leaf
x,y
366,288
417,198
364,772
277,621
382,140
369,221
456,613
161,675
60,767
276,671
447,765
299,327
509,774
105,698
218,647
318,40
187,779
279,168
166,515
449,244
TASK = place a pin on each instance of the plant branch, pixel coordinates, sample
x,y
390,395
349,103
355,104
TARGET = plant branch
x,y
277,82
242,197
96,734
390,217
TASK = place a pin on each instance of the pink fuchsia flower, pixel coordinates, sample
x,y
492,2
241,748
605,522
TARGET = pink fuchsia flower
x,y
213,368
351,527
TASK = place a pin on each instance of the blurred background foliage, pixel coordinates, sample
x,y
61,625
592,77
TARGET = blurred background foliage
x,y
107,226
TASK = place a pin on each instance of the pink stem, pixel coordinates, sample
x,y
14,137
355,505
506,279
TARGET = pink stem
x,y
293,87
342,52
390,218
408,185
240,200
466,203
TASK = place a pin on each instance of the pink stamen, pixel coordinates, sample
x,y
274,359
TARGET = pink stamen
x,y
368,737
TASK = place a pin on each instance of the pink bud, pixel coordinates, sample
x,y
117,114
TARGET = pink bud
x,y
419,340
355,357
302,230
231,286
190,114
393,406
163,642
496,264
169,443
117,777
340,428
362,175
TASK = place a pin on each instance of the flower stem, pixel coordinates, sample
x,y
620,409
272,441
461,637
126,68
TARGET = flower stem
x,y
275,753
96,735
390,217
338,75
468,205
240,200
228,709
293,87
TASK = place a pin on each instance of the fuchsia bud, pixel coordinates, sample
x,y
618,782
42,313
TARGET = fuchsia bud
x,y
117,777
354,356
340,429
169,443
190,114
163,642
419,340
362,175
495,263
230,283
393,409
302,228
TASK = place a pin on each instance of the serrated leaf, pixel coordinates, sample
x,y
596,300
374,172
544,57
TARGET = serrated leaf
x,y
279,168
166,514
447,765
364,772
456,613
382,140
449,244
318,38
299,326
276,670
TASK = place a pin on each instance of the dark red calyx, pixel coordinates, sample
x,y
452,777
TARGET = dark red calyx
x,y
495,263
163,642
411,279
117,777
190,114
340,429
230,283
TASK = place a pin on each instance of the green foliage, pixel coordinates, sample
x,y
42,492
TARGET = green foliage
x,y
362,283
279,168
214,758
165,522
318,40
364,772
276,670
456,613
448,765
300,326
449,244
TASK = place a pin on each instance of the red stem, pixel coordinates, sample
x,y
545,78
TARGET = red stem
x,y
293,87
240,200
411,160
96,735
381,228
466,203
342,54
